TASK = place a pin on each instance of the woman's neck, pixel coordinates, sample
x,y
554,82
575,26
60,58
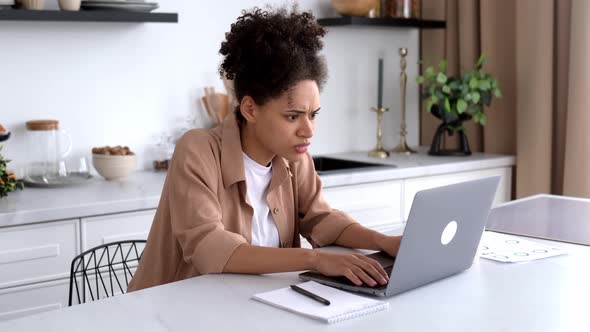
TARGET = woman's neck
x,y
252,146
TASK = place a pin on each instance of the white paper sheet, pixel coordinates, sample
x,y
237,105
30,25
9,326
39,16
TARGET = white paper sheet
x,y
509,249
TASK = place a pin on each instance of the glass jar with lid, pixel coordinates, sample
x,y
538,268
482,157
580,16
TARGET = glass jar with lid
x,y
47,146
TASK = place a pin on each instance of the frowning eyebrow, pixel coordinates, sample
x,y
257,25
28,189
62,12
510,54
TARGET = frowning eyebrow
x,y
302,112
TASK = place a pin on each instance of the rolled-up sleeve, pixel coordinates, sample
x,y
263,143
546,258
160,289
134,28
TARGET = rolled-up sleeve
x,y
318,222
196,215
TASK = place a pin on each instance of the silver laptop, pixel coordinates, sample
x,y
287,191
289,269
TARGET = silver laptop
x,y
440,239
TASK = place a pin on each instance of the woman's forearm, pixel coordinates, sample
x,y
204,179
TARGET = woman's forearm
x,y
259,260
357,268
358,236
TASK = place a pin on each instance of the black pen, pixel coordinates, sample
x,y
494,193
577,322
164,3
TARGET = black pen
x,y
310,294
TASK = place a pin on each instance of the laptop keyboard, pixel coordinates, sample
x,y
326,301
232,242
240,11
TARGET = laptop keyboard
x,y
388,269
383,260
346,281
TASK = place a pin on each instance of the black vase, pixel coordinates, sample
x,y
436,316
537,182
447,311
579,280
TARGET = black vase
x,y
449,121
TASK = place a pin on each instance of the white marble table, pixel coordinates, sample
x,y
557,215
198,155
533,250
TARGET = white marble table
x,y
544,295
551,217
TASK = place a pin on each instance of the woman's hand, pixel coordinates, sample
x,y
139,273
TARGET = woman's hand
x,y
389,244
357,268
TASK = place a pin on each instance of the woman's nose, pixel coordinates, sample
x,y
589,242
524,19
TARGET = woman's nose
x,y
306,129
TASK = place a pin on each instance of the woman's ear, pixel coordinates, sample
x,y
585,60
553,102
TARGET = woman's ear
x,y
248,109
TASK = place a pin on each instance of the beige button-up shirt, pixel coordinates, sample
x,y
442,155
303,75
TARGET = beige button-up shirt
x,y
204,215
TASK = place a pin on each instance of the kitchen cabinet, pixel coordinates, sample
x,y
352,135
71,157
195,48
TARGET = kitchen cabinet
x,y
35,259
32,299
413,185
384,206
376,205
37,253
115,227
34,266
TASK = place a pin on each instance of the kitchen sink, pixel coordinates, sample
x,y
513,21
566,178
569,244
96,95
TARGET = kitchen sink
x,y
327,165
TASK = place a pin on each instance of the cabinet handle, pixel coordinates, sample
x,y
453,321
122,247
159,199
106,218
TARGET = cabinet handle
x,y
122,237
24,254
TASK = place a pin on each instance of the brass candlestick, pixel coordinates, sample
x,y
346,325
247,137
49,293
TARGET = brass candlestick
x,y
379,152
403,147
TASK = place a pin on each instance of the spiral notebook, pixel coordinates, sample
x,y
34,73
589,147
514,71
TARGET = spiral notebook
x,y
342,306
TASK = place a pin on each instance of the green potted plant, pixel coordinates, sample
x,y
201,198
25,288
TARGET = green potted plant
x,y
8,181
457,99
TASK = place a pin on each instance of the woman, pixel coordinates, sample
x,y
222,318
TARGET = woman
x,y
238,196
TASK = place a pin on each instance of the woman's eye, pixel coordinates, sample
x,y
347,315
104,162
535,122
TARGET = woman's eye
x,y
292,117
314,115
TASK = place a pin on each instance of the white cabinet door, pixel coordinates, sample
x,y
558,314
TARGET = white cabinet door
x,y
413,185
116,227
32,299
375,205
35,253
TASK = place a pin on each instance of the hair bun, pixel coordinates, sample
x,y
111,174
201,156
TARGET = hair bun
x,y
266,51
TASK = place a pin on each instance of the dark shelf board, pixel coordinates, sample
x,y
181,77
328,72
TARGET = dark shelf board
x,y
383,22
86,16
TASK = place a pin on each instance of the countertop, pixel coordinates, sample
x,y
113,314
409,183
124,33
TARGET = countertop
x,y
141,190
414,165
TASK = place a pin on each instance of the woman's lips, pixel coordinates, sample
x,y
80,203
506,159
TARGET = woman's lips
x,y
301,148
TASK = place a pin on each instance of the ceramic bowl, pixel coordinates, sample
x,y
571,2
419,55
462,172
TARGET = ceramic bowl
x,y
353,7
70,5
33,4
112,167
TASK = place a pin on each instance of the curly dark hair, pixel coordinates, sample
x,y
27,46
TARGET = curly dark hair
x,y
268,51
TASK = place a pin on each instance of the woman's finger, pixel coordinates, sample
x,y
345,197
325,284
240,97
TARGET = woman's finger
x,y
359,272
378,267
352,277
372,268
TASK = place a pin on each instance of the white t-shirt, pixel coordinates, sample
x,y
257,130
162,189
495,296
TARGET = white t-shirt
x,y
264,230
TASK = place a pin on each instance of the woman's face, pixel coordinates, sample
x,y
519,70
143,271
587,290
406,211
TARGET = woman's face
x,y
284,126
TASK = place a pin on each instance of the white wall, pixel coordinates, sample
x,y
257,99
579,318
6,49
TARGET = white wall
x,y
128,84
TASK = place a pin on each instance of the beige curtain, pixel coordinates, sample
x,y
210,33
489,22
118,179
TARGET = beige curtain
x,y
577,138
538,50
